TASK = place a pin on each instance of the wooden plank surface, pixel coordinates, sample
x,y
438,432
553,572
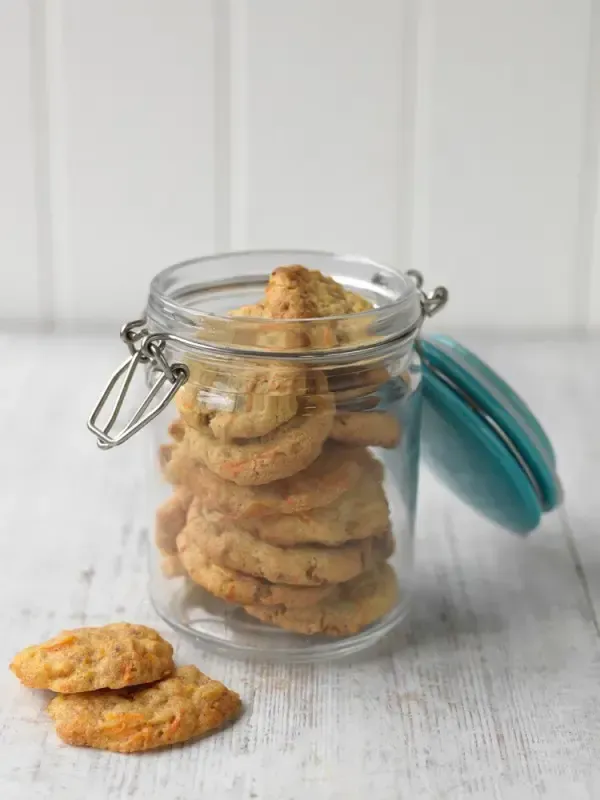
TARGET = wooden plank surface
x,y
491,691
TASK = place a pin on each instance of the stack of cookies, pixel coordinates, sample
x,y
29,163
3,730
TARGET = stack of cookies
x,y
278,504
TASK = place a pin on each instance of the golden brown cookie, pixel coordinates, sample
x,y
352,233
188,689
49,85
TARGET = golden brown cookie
x,y
177,429
356,604
266,401
234,548
170,520
289,449
165,454
366,428
241,406
296,293
85,659
359,382
171,567
336,471
173,710
358,514
239,588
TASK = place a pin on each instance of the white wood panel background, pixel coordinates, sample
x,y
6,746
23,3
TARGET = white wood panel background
x,y
18,214
458,138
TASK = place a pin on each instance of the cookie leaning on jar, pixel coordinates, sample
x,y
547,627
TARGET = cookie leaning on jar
x,y
271,466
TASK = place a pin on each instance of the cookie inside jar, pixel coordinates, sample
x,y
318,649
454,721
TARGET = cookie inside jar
x,y
286,468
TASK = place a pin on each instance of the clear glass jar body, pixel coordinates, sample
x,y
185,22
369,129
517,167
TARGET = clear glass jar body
x,y
283,490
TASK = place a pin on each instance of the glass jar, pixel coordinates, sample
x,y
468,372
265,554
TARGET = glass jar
x,y
284,454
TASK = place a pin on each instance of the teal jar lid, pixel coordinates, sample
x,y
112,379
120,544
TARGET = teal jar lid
x,y
482,440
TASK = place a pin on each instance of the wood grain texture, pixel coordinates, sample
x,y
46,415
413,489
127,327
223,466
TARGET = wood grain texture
x,y
491,691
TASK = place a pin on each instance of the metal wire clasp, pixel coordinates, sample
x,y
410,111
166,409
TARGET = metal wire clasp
x,y
144,348
434,301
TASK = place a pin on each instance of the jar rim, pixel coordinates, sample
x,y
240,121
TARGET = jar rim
x,y
175,291
165,296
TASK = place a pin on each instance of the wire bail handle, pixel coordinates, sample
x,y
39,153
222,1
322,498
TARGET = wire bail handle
x,y
144,348
434,301
147,348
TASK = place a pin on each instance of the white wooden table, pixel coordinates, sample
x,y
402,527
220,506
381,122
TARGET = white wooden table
x,y
492,690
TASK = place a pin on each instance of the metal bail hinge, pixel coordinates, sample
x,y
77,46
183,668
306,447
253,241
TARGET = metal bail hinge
x,y
144,349
434,301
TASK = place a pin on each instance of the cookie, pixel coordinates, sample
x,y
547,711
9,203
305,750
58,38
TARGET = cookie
x,y
165,454
367,402
266,401
173,710
176,429
244,406
171,567
366,429
236,549
356,604
337,470
236,587
289,449
358,514
296,293
170,520
86,659
357,383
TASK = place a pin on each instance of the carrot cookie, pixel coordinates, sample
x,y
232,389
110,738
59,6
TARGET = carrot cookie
x,y
357,383
241,408
358,514
296,293
170,520
368,429
173,710
86,659
236,587
236,549
289,449
171,567
337,470
177,429
357,604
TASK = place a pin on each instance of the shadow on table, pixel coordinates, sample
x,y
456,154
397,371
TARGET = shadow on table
x,y
434,622
529,585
